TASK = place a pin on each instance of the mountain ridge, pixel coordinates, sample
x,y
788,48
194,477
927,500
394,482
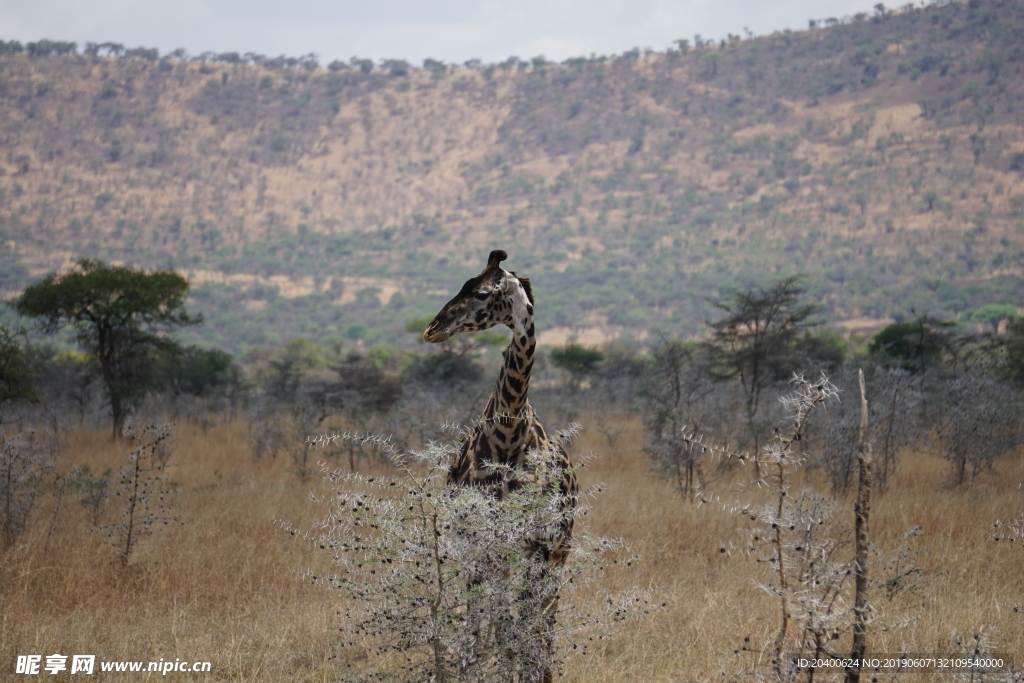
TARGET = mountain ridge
x,y
881,157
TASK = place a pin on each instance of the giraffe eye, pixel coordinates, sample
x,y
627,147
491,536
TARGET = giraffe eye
x,y
482,294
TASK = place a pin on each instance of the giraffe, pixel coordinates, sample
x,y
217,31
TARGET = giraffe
x,y
508,428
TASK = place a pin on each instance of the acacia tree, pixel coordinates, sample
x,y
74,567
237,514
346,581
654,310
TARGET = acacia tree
x,y
757,341
121,315
15,373
577,360
916,344
995,314
1014,345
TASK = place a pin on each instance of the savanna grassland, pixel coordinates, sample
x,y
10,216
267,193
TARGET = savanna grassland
x,y
224,583
881,155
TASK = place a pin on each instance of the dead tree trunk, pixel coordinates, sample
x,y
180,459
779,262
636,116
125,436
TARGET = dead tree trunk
x,y
862,509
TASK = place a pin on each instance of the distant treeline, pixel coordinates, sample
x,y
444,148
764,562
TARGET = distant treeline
x,y
41,48
401,67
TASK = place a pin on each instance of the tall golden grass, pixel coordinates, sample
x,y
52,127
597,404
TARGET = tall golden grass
x,y
225,583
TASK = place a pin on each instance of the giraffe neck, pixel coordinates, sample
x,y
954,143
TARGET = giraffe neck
x,y
509,401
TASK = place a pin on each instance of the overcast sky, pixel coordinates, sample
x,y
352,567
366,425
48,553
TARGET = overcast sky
x,y
449,30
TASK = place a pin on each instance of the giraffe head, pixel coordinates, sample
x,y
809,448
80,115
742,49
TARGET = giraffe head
x,y
483,302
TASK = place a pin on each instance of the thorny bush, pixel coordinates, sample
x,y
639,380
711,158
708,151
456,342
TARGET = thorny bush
x,y
141,489
438,579
797,538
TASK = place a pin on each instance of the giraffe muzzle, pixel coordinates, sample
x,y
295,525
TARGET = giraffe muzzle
x,y
434,333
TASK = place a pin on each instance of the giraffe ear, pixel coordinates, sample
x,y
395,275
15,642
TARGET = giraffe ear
x,y
496,257
509,282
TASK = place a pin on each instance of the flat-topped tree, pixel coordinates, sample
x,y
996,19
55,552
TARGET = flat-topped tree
x,y
121,315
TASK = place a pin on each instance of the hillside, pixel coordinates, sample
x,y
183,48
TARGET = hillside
x,y
881,156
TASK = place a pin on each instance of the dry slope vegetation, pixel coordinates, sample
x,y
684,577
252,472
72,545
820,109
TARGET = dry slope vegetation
x,y
881,155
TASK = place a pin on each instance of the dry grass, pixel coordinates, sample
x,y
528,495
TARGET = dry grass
x,y
225,584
